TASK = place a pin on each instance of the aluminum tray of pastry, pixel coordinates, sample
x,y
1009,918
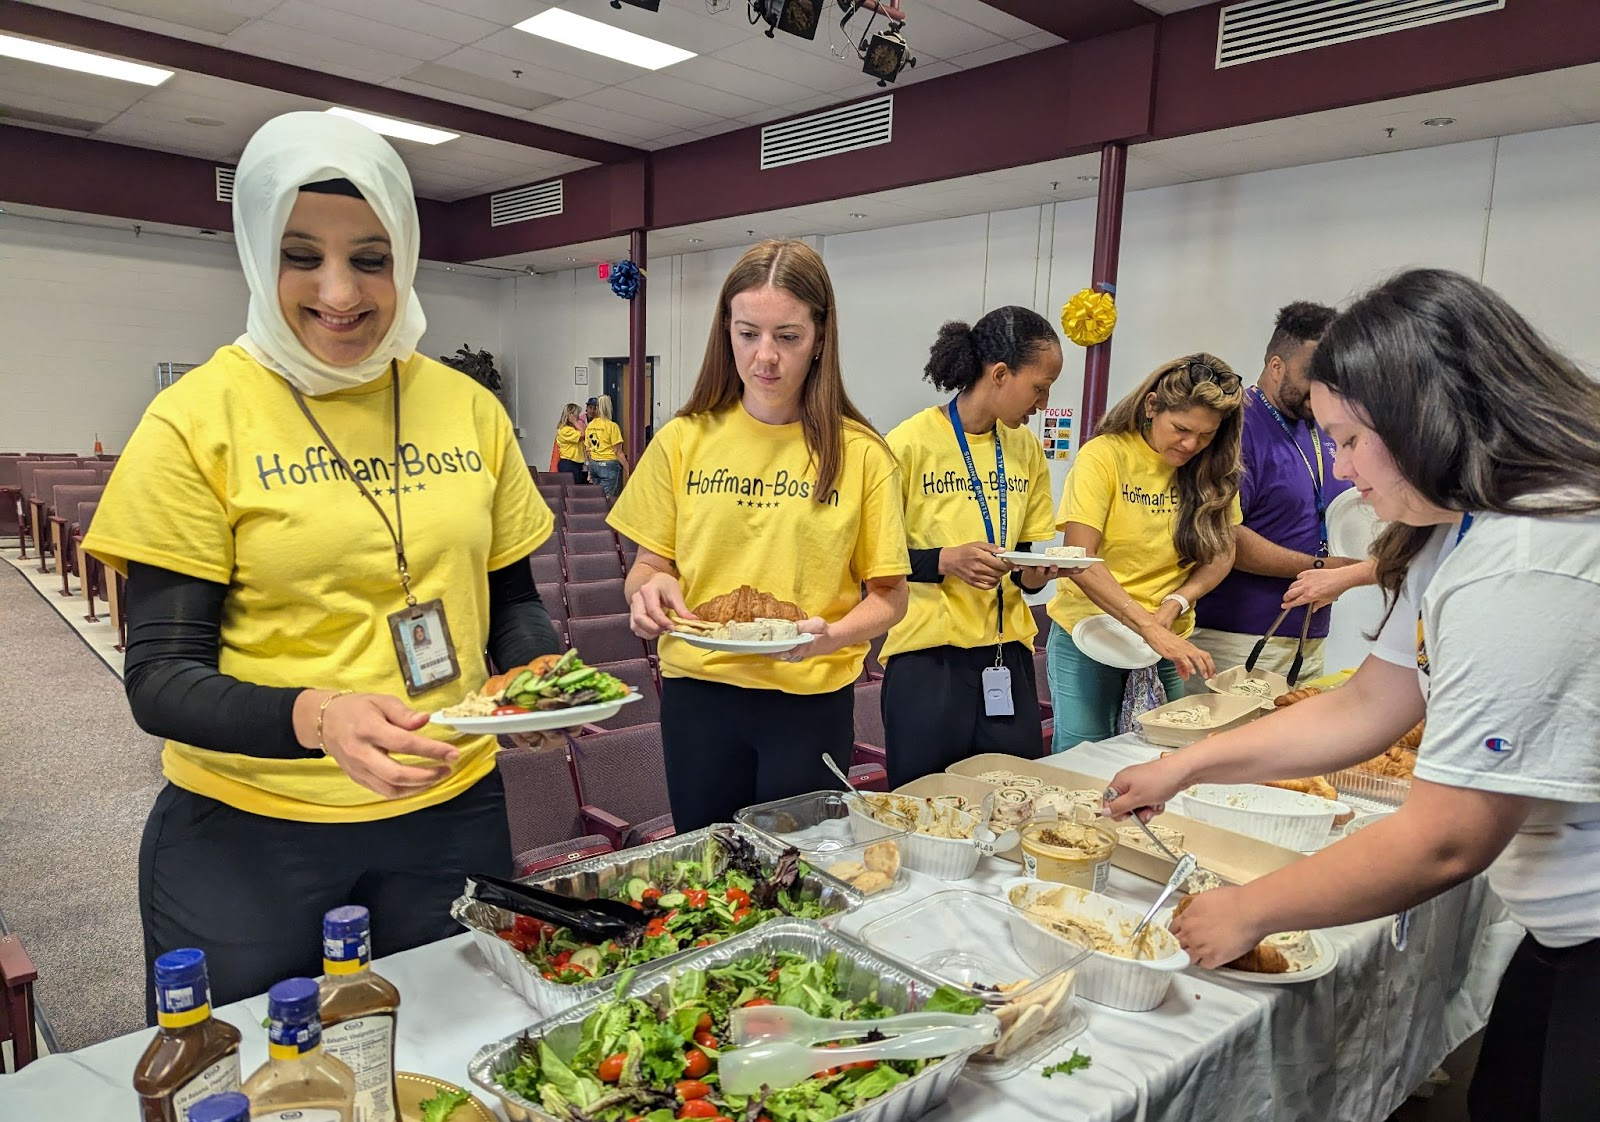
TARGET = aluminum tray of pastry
x,y
597,877
862,973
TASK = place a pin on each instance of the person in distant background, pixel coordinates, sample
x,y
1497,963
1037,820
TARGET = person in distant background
x,y
1284,493
569,441
604,441
1155,494
965,630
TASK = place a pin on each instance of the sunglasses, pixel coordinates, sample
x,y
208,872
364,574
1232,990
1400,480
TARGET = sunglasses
x,y
1226,380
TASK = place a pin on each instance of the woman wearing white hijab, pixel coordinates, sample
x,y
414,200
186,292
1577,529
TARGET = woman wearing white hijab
x,y
291,515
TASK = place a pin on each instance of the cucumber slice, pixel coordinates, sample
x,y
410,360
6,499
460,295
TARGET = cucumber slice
x,y
589,959
636,887
671,900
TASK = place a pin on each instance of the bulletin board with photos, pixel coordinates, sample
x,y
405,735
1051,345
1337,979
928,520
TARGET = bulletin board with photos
x,y
1057,435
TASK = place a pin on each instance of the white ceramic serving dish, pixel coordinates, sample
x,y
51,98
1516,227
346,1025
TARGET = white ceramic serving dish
x,y
1284,818
1122,983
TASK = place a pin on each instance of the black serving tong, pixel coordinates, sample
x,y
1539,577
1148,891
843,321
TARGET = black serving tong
x,y
594,919
1299,650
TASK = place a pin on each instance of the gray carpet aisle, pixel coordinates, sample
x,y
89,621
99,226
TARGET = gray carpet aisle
x,y
77,778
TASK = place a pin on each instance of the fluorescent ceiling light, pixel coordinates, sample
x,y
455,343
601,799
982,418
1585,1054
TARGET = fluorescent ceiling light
x,y
31,50
603,39
400,130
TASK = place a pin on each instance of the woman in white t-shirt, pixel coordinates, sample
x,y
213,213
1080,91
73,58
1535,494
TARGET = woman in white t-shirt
x,y
1481,444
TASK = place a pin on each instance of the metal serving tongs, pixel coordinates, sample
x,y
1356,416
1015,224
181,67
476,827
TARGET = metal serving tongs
x,y
595,919
1299,650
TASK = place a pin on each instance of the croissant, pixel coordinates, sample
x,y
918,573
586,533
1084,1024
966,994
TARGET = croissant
x,y
747,604
1296,695
1314,785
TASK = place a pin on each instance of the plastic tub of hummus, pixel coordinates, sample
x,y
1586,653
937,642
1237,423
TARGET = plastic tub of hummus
x,y
819,826
1063,920
1066,852
944,842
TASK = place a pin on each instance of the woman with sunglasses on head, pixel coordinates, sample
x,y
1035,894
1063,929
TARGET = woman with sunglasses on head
x,y
767,477
1480,444
958,670
323,532
1155,495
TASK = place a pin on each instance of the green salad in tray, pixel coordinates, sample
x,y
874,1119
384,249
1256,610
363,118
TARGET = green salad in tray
x,y
697,903
654,1058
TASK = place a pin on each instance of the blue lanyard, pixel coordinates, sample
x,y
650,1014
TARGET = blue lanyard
x,y
1316,473
983,500
1466,524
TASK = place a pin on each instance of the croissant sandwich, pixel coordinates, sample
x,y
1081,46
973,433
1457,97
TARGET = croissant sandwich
x,y
1260,959
747,604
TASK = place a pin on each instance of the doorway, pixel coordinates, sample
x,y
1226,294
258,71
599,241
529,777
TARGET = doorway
x,y
614,382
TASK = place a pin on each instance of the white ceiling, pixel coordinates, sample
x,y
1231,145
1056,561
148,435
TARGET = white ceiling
x,y
468,52
1528,104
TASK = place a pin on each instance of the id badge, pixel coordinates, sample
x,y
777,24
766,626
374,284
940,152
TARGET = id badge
x,y
997,692
423,645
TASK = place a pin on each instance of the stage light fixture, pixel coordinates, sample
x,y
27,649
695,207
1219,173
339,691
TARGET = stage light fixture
x,y
885,54
793,17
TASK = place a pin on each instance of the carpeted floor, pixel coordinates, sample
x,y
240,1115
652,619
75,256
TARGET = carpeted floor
x,y
77,778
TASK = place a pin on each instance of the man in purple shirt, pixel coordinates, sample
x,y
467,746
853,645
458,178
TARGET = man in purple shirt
x,y
1287,485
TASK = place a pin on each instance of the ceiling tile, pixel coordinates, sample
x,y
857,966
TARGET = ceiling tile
x,y
976,12
448,83
932,32
667,87
503,12
218,17
997,53
685,25
558,56
570,114
814,68
924,70
672,140
649,108
365,30
500,68
29,79
302,48
421,17
1039,40
758,87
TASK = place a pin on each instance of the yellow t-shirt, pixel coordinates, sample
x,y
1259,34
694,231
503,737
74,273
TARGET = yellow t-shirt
x,y
569,443
728,498
603,437
225,480
1122,487
940,511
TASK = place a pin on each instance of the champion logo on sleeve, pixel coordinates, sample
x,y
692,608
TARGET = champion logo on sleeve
x,y
1499,745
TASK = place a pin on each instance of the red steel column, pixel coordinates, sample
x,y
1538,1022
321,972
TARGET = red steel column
x,y
638,353
1107,248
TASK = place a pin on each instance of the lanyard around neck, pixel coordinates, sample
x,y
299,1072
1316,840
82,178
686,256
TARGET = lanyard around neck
x,y
976,484
397,528
1317,474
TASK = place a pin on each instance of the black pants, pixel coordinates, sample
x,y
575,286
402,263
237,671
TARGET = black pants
x,y
728,747
933,709
573,468
250,891
1540,1060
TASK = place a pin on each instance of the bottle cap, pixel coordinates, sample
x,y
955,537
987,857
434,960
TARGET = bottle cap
x,y
346,939
229,1106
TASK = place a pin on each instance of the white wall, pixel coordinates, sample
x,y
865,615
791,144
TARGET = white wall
x,y
86,312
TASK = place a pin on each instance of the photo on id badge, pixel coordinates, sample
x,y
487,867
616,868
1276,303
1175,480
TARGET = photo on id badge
x,y
422,642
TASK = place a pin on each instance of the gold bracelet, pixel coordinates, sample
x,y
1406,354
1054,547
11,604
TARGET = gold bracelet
x,y
322,715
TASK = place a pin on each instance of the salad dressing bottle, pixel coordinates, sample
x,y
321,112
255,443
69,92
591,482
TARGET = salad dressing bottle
x,y
193,1055
299,1082
358,1012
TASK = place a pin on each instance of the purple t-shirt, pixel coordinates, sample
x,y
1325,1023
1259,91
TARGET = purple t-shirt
x,y
1278,498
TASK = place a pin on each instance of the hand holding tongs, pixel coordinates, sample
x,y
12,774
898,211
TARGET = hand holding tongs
x,y
593,919
1299,650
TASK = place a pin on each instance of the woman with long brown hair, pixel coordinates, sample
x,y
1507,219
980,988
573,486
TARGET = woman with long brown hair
x,y
570,452
1479,443
768,477
1155,494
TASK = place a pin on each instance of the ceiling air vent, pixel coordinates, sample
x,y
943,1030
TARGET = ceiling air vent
x,y
1258,29
542,200
862,125
224,185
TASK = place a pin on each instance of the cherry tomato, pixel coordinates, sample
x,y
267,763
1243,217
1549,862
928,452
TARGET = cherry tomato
x,y
754,1001
508,711
705,1039
523,943
611,1067
740,913
708,941
696,897
698,1108
690,1089
738,896
573,968
549,976
696,1063
652,893
773,977
704,1023
867,1065
655,927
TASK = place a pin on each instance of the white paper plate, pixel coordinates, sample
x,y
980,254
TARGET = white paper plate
x,y
1041,561
1112,643
1352,525
742,646
1327,959
538,721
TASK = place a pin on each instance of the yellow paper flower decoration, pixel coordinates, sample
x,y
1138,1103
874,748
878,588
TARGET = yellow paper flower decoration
x,y
1089,317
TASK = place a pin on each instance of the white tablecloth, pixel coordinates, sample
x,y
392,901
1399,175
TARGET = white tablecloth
x,y
1347,1047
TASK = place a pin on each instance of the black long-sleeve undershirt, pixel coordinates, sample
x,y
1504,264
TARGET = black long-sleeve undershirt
x,y
174,640
925,567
